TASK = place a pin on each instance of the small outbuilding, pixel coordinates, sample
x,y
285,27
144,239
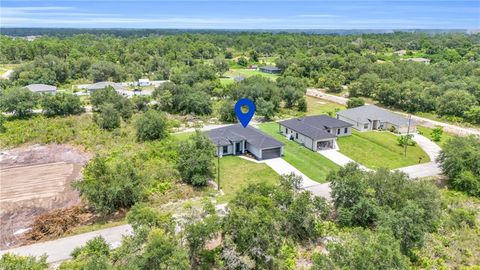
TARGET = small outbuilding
x,y
316,132
270,69
42,88
237,140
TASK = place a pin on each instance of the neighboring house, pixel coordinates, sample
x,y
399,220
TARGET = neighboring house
x,y
371,117
270,69
315,132
102,85
418,60
238,79
143,82
400,52
236,140
42,88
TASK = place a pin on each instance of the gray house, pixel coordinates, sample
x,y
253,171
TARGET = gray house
x,y
42,88
236,140
101,85
315,132
270,69
371,117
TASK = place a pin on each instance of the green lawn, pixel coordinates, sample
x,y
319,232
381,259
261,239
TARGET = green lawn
x,y
428,131
236,173
312,164
321,106
379,149
248,73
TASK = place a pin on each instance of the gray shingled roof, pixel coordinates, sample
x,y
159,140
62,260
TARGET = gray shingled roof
x,y
271,68
102,85
365,113
229,134
41,87
315,127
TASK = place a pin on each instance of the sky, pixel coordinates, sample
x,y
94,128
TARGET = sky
x,y
246,14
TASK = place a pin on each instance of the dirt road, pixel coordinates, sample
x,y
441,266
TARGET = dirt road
x,y
461,131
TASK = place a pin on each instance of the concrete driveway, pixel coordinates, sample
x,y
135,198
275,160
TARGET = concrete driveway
x,y
339,158
425,169
282,167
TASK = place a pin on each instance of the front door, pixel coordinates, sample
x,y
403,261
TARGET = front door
x,y
237,148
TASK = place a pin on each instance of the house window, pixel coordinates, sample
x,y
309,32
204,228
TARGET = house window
x,y
286,130
225,149
338,131
345,130
296,135
365,126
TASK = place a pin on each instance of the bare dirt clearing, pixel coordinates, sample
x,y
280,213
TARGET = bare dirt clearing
x,y
33,181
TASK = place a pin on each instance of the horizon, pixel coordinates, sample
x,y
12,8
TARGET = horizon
x,y
246,15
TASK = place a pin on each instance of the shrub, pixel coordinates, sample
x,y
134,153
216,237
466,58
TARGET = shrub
x,y
195,162
18,100
355,102
151,126
108,118
227,112
437,134
61,104
406,140
109,187
13,262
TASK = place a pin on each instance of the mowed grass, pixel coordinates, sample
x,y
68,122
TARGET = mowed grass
x,y
312,164
320,106
379,150
427,132
236,173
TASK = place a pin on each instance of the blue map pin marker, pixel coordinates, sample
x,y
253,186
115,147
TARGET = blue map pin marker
x,y
244,118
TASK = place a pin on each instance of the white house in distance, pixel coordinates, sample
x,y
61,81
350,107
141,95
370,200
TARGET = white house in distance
x,y
371,117
42,88
317,132
143,82
101,85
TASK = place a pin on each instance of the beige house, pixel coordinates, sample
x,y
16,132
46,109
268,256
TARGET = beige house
x,y
371,117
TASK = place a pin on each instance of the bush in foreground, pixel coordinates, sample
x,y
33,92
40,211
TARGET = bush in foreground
x,y
152,125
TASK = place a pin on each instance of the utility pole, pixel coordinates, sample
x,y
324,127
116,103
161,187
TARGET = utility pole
x,y
218,165
407,138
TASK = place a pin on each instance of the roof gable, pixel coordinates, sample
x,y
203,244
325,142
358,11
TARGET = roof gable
x,y
367,113
234,133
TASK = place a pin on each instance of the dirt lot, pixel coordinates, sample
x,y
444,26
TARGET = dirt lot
x,y
33,181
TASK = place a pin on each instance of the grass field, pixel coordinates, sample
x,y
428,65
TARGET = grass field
x,y
379,149
428,131
249,73
236,173
321,106
312,164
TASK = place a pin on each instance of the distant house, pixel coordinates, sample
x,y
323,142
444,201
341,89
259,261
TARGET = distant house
x,y
315,132
418,60
143,82
270,69
42,88
400,52
236,140
371,117
238,79
101,85
254,67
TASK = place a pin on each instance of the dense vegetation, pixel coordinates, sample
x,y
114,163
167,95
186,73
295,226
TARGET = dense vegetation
x,y
365,64
460,161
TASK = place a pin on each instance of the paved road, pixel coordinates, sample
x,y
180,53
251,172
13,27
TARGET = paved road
x,y
60,249
461,131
